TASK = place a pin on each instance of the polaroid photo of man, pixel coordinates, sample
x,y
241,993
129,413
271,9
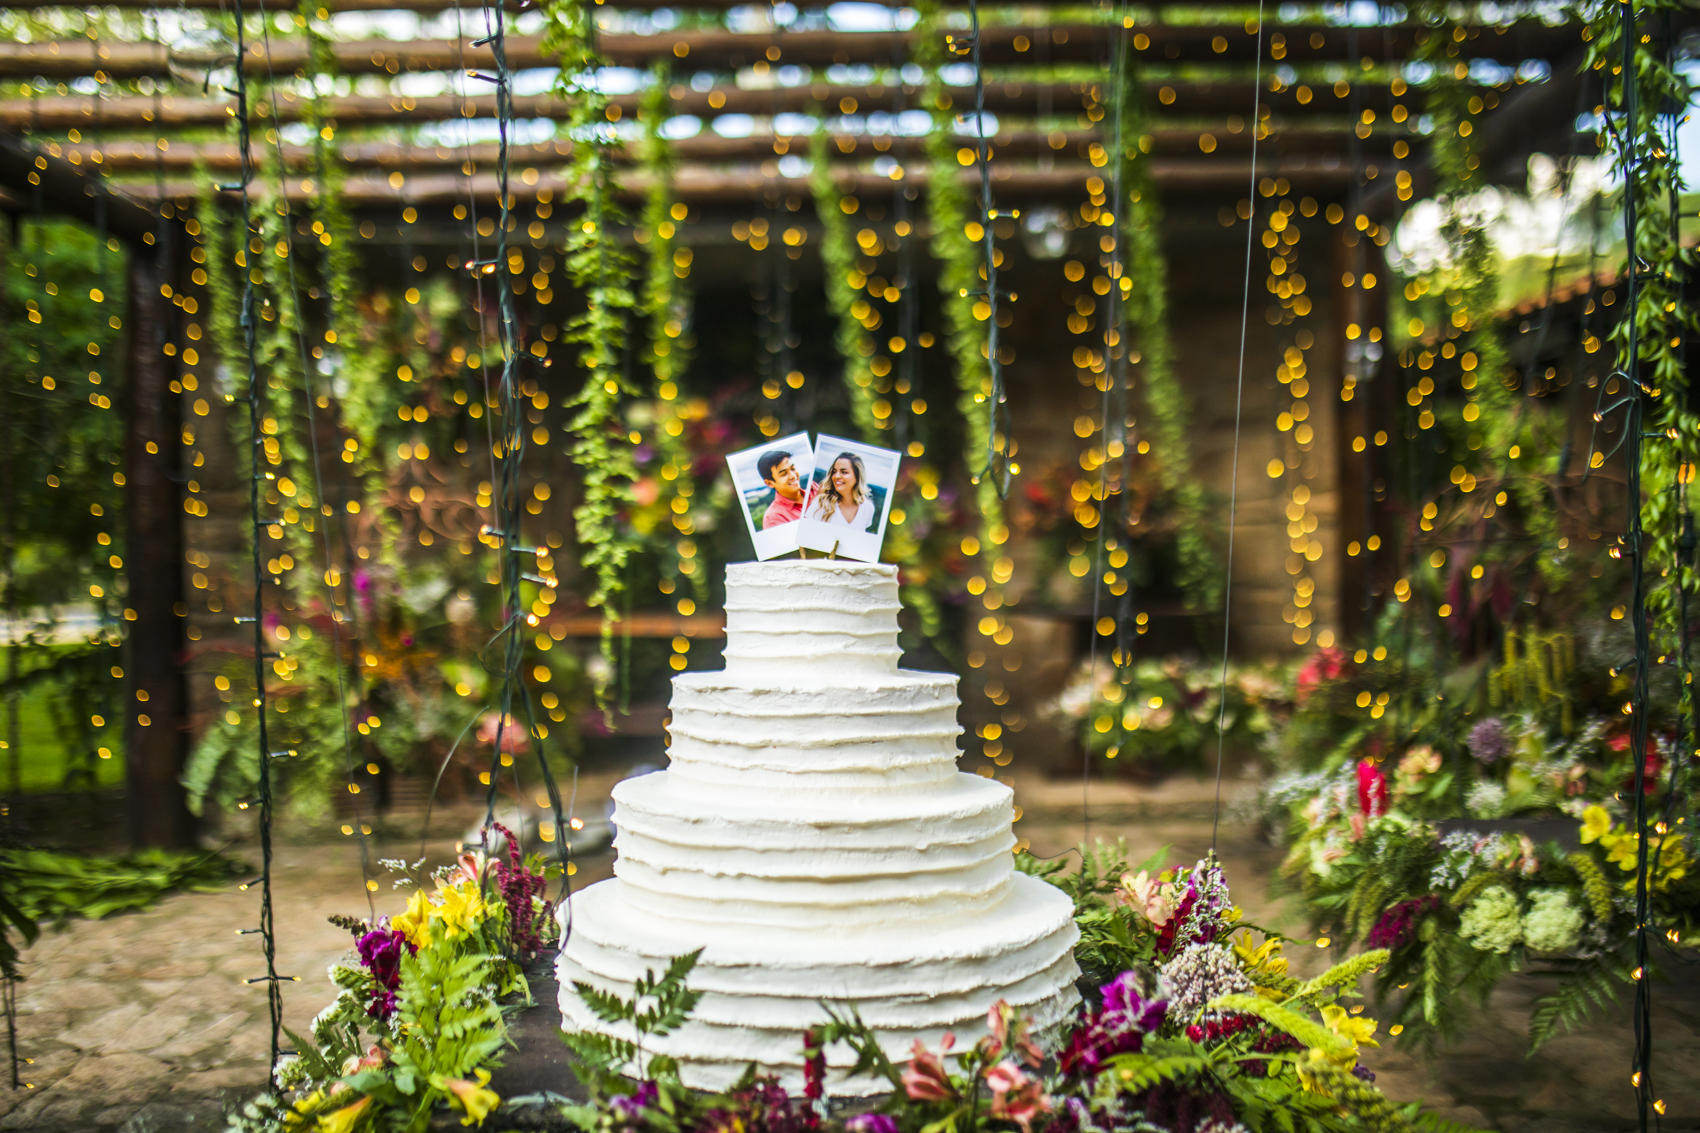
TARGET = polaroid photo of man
x,y
849,498
771,480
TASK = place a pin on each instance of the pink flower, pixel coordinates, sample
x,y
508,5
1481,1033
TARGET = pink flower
x,y
1152,897
924,1079
1009,1031
514,738
1015,1096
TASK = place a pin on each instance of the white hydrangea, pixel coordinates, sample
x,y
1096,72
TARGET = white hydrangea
x,y
1485,799
1493,922
1552,924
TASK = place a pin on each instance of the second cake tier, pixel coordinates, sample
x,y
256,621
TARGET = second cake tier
x,y
889,732
797,858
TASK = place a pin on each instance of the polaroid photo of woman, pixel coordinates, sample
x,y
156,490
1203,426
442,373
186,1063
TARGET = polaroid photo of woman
x,y
771,480
849,498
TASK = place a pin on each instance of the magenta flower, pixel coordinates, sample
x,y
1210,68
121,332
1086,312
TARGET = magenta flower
x,y
380,953
1119,1027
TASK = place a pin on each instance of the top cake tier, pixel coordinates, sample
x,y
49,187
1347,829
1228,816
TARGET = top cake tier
x,y
788,619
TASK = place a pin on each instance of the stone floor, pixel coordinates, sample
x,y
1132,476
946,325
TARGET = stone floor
x,y
145,1022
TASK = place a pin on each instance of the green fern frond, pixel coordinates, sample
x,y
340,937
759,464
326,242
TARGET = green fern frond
x,y
1584,989
1368,899
1345,974
1133,1073
1307,1031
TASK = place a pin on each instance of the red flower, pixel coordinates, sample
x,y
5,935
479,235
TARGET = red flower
x,y
1654,767
1372,789
1324,665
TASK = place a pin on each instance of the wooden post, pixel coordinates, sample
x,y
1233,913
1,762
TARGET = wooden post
x,y
156,717
1366,367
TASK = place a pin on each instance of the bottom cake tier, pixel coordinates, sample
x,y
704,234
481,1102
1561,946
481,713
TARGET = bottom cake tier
x,y
761,989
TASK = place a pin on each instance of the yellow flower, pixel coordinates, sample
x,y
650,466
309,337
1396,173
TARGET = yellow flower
x,y
1596,824
1307,1078
415,922
461,910
1264,960
1355,1029
1623,851
343,1120
477,1101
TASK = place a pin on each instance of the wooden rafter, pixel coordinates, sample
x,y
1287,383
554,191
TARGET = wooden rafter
x,y
1175,98
1000,46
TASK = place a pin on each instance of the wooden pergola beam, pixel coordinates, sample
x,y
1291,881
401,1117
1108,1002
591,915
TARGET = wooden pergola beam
x,y
1176,98
696,183
1000,46
1063,145
34,179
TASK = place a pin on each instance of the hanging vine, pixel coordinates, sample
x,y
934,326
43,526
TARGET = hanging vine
x,y
1643,153
956,247
838,261
667,304
1497,425
601,268
1145,291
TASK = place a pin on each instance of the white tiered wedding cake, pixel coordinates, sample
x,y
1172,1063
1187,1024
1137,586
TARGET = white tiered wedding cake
x,y
814,837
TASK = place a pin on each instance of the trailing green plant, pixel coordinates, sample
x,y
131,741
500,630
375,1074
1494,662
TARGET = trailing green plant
x,y
1144,289
667,303
956,247
1502,440
44,885
838,261
599,266
1644,158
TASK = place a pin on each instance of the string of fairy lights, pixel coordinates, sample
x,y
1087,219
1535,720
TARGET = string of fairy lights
x,y
257,523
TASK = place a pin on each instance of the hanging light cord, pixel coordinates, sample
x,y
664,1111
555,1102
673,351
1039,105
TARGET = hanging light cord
x,y
267,933
1234,466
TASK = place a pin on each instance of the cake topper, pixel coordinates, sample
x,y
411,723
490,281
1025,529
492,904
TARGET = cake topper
x,y
833,496
849,498
771,481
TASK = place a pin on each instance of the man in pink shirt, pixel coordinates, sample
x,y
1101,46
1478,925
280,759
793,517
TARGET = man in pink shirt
x,y
779,473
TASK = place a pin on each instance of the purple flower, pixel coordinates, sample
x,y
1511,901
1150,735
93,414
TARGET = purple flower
x,y
872,1123
380,952
1489,741
1119,1028
1125,1007
630,1108
1398,923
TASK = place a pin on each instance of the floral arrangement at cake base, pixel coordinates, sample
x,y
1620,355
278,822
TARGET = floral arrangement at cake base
x,y
1202,1030
420,1018
1475,836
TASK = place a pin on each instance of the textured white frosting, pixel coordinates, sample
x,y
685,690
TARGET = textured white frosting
x,y
814,837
